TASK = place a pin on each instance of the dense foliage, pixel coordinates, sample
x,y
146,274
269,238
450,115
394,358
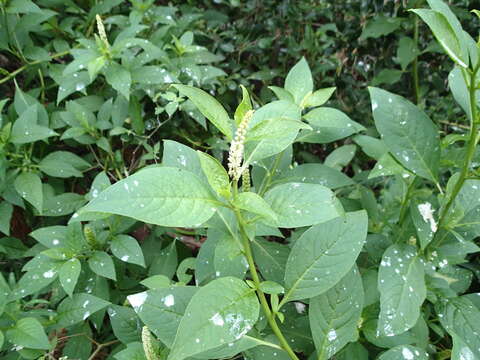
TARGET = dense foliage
x,y
239,180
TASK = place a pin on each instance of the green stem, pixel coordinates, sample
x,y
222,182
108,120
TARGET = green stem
x,y
256,279
472,144
36,62
416,85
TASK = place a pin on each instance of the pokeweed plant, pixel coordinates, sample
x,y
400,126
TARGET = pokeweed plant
x,y
295,261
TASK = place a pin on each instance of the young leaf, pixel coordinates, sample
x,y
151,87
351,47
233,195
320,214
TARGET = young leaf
x,y
69,273
102,264
445,35
334,315
78,308
63,164
319,97
29,186
402,289
298,204
323,255
209,107
158,195
407,131
219,313
255,204
126,248
243,107
328,125
216,174
28,333
299,81
119,78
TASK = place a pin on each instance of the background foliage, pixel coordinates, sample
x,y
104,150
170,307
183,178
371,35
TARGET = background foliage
x,y
86,100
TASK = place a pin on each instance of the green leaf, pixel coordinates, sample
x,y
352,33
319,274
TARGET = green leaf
x,y
63,204
255,204
340,157
125,324
461,319
163,309
158,195
407,131
102,264
126,248
29,187
403,352
270,287
271,258
318,97
299,81
22,6
445,35
334,315
328,125
216,174
298,204
281,93
407,51
387,76
323,255
183,157
119,78
243,107
134,351
69,273
78,308
209,107
63,164
165,262
402,289
6,211
26,130
380,25
28,333
459,89
219,313
460,350
316,174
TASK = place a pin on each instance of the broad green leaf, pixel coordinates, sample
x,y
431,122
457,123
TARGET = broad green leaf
x,y
402,289
299,81
26,129
461,319
407,51
255,204
380,25
243,107
126,248
461,351
63,164
318,97
163,309
387,76
340,157
445,34
125,324
102,264
334,315
134,351
62,204
165,262
28,333
281,93
219,313
181,156
6,211
41,271
270,287
425,227
459,89
29,187
152,75
298,204
228,257
22,6
353,351
69,273
119,78
405,352
328,125
316,174
77,308
323,255
158,195
271,258
216,174
407,131
209,107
